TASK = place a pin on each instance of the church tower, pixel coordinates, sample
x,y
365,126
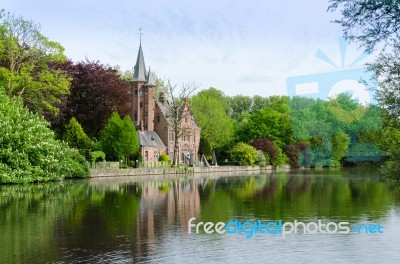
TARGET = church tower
x,y
142,86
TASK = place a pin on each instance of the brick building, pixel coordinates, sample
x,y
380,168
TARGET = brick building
x,y
151,118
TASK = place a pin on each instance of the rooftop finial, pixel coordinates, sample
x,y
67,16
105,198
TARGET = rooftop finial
x,y
140,35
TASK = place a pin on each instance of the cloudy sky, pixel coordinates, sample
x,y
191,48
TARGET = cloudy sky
x,y
241,47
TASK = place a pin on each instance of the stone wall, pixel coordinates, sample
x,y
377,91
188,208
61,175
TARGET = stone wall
x,y
169,171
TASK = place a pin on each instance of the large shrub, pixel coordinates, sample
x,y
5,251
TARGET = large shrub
x,y
28,149
244,154
164,157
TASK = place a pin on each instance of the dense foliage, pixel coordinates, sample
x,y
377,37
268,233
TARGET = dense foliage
x,y
28,149
27,60
97,91
243,154
373,25
216,126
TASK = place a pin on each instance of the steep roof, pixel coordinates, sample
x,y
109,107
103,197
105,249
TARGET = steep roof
x,y
140,69
150,139
151,79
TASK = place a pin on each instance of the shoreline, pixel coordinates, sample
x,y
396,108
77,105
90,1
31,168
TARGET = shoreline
x,y
99,173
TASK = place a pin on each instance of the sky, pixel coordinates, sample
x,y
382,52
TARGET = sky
x,y
240,47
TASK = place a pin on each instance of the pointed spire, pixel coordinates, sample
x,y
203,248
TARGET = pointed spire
x,y
151,79
139,74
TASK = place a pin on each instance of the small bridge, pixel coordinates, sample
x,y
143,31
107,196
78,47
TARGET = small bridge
x,y
367,155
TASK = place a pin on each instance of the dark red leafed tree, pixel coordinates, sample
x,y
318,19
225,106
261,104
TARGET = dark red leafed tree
x,y
293,151
266,145
96,91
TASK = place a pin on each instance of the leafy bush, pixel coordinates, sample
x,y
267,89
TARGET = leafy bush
x,y
274,152
391,170
75,165
244,154
164,157
260,159
280,159
28,149
265,145
97,155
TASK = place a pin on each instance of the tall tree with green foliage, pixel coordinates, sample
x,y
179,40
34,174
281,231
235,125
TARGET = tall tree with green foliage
x,y
217,95
265,123
29,151
75,136
119,139
27,65
375,24
239,105
216,125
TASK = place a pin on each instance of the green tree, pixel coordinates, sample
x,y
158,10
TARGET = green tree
x,y
216,125
340,145
27,65
369,22
119,139
217,95
28,149
75,136
244,154
265,123
239,105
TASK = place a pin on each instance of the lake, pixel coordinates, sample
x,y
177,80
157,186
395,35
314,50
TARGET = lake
x,y
145,220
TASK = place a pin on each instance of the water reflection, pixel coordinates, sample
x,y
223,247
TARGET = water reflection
x,y
128,220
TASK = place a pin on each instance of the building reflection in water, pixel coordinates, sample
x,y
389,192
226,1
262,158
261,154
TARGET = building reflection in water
x,y
163,206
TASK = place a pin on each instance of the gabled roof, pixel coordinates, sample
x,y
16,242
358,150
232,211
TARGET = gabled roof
x,y
150,139
163,108
140,69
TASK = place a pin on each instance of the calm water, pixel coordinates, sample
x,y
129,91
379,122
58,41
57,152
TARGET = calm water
x,y
123,221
